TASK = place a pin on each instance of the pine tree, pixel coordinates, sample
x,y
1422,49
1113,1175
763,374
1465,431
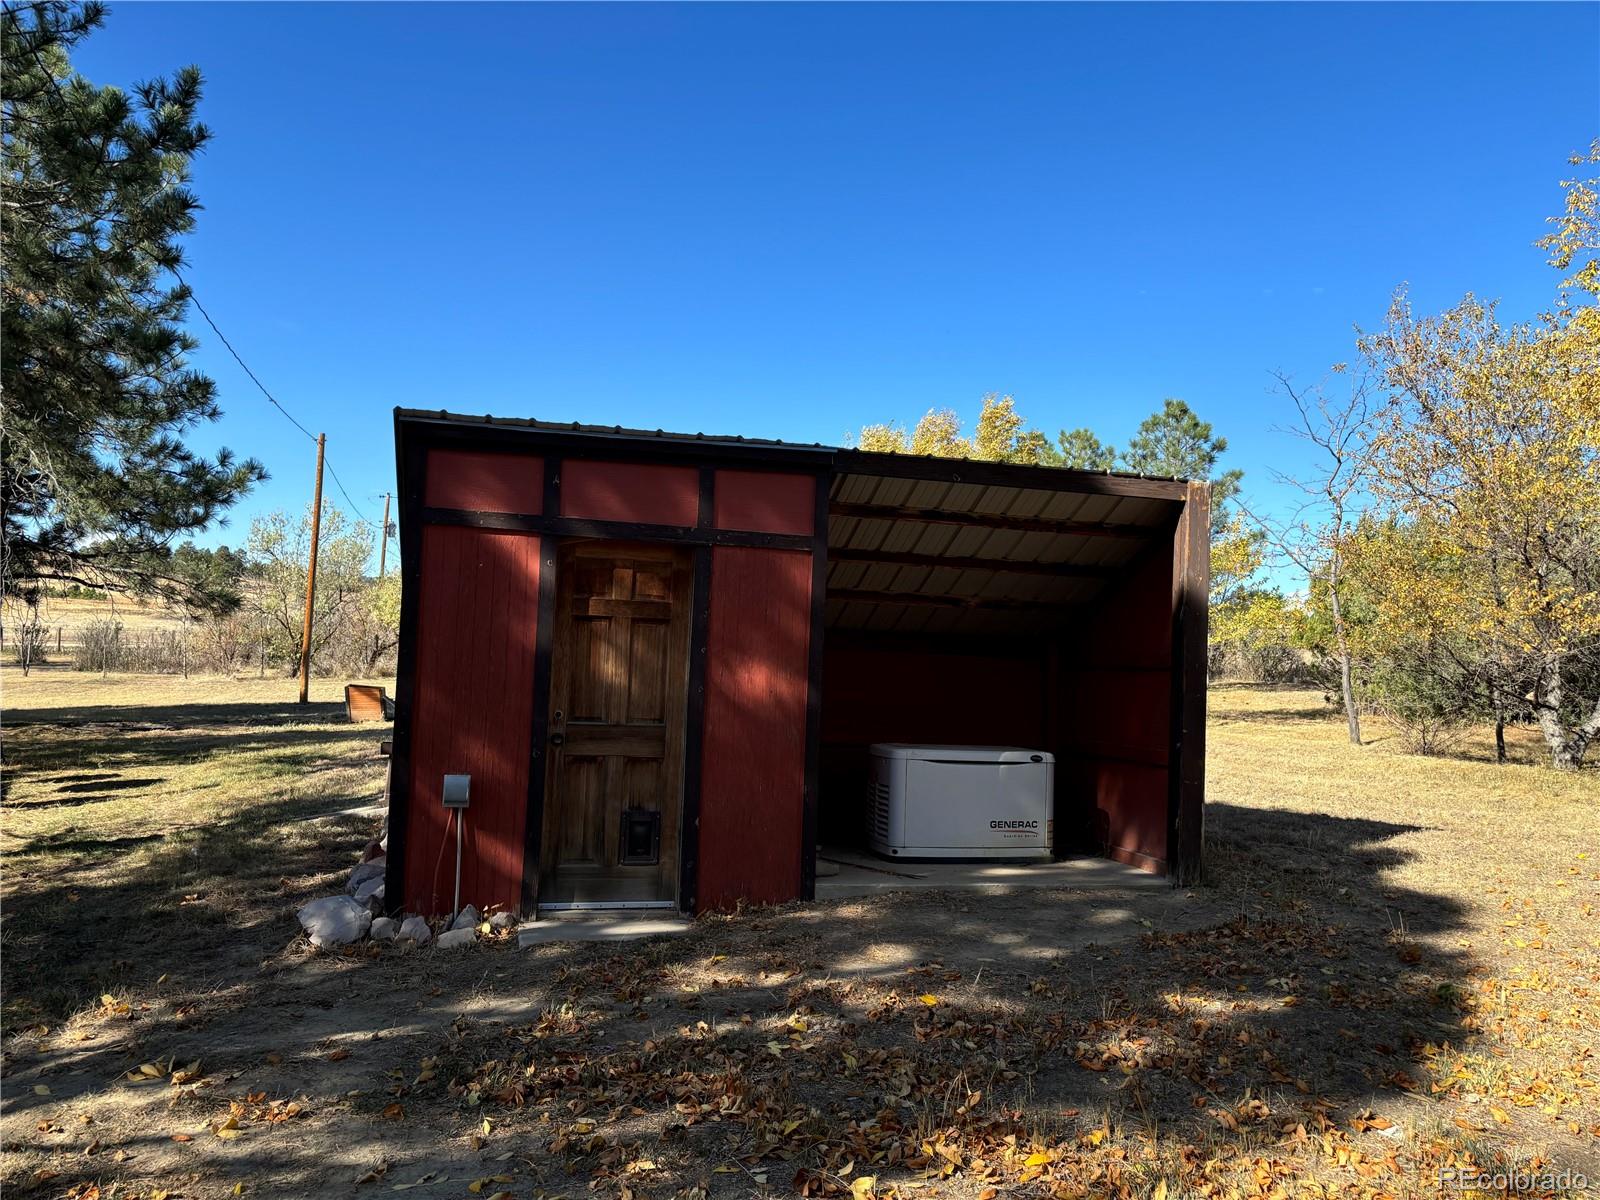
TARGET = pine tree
x,y
1083,451
1175,441
98,486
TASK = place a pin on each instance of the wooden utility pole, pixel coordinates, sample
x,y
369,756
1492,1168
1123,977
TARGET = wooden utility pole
x,y
311,576
383,535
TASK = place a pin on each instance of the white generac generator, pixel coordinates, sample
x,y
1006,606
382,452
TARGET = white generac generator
x,y
960,801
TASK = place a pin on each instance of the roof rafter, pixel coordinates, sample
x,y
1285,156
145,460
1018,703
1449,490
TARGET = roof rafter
x,y
939,516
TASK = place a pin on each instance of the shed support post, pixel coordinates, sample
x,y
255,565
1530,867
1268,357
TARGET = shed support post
x,y
819,602
411,465
1191,584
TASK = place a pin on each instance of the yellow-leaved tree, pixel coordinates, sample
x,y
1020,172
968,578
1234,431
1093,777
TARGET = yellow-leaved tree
x,y
1489,453
1001,435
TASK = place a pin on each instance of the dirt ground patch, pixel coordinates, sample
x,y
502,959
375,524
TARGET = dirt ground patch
x,y
1392,969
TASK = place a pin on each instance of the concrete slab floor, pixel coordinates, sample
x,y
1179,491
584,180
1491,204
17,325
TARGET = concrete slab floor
x,y
861,874
602,925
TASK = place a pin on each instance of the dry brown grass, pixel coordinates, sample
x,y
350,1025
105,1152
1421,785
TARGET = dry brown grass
x,y
1393,966
1494,870
52,696
68,614
130,797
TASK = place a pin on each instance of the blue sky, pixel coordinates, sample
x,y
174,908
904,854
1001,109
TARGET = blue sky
x,y
787,221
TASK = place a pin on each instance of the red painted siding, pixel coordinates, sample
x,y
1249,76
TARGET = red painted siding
x,y
1126,711
1130,814
752,787
603,491
473,711
1116,711
765,502
915,693
512,483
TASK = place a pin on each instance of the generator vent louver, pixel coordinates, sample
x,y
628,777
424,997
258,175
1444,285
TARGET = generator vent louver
x,y
878,806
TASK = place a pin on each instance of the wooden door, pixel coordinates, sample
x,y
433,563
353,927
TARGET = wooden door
x,y
618,703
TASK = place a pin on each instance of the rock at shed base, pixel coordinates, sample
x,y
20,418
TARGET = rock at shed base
x,y
457,937
384,929
370,894
468,918
334,921
503,920
373,868
414,929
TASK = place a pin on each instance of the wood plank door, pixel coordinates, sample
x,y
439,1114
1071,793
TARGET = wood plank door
x,y
618,704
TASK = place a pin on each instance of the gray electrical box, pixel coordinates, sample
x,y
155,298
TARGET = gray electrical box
x,y
456,790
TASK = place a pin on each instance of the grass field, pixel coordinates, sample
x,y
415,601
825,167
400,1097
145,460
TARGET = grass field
x,y
64,616
1393,968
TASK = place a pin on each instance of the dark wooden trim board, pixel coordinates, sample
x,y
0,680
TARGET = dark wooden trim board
x,y
939,516
411,462
1002,566
614,531
1191,584
1044,479
1000,645
694,732
539,730
1050,702
819,608
1137,858
919,600
551,505
705,516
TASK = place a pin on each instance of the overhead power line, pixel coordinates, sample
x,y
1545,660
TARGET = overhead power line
x,y
340,485
223,338
246,366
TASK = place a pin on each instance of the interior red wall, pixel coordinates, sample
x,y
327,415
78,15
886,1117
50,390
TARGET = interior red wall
x,y
484,482
752,784
917,691
1115,705
765,502
478,608
642,492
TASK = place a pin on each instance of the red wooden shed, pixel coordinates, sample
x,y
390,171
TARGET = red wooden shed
x,y
661,658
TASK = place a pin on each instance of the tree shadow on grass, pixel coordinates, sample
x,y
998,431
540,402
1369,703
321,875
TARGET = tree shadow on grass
x,y
168,749
182,716
1320,713
790,1042
106,786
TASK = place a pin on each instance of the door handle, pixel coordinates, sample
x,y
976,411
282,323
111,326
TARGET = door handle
x,y
558,739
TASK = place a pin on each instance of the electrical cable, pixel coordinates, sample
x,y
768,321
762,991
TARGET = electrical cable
x,y
444,840
339,483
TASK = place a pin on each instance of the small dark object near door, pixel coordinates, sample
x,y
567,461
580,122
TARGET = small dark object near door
x,y
641,837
